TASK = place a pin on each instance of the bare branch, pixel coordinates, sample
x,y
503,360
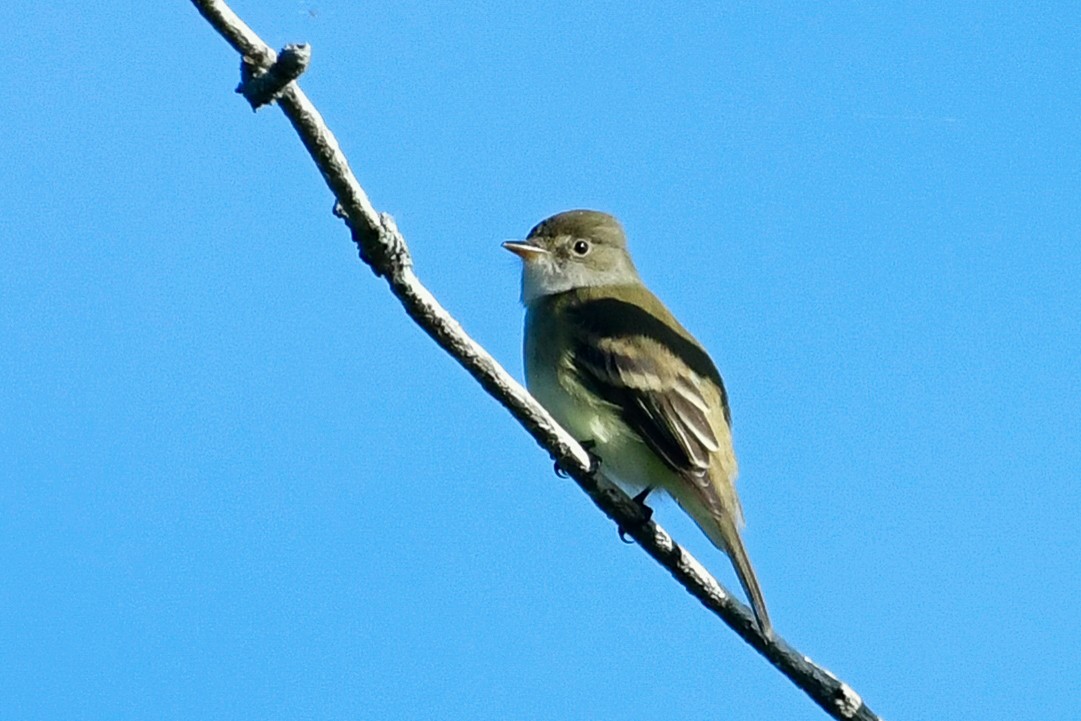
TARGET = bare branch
x,y
260,87
383,248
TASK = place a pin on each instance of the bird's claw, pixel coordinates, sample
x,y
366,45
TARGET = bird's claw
x,y
594,459
647,512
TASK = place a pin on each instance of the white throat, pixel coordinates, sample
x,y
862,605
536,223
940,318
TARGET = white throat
x,y
545,276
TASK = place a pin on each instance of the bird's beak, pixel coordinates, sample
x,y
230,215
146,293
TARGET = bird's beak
x,y
524,249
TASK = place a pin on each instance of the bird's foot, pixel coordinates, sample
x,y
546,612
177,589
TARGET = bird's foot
x,y
594,459
647,512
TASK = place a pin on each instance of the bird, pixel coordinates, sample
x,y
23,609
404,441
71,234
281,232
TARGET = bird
x,y
616,369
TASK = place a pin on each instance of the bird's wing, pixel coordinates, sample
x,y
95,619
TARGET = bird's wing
x,y
625,354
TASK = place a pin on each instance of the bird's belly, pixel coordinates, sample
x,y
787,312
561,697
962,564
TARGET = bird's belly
x,y
624,457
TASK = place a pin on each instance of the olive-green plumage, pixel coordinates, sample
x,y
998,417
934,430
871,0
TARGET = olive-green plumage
x,y
614,367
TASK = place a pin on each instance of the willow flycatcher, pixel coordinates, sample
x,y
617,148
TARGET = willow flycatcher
x,y
618,371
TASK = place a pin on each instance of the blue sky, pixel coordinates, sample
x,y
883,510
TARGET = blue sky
x,y
237,482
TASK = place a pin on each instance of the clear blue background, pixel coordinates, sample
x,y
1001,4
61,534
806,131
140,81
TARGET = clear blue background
x,y
237,482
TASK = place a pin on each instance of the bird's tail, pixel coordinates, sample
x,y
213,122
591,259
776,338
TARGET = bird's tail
x,y
721,526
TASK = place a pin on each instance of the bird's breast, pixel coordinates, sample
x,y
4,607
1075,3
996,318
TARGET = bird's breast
x,y
553,380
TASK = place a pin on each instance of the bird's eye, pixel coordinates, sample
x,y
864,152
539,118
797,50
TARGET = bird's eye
x,y
581,247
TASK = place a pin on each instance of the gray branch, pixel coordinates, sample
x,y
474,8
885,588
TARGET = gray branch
x,y
265,78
